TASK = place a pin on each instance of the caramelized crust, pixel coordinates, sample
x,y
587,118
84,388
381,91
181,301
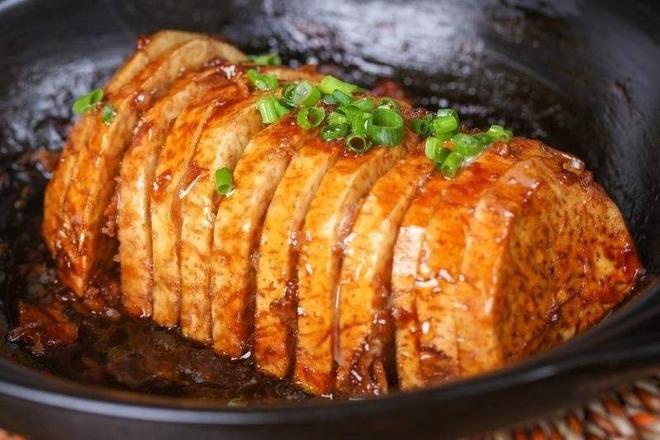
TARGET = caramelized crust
x,y
547,252
84,247
325,263
365,325
137,174
220,146
275,316
165,199
158,44
236,232
327,224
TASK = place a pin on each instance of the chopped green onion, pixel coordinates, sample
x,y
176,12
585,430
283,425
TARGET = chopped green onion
x,y
329,84
305,94
446,121
466,145
88,101
385,127
350,111
341,97
389,103
451,164
271,110
280,108
357,143
310,117
329,100
499,133
261,81
107,114
267,59
365,104
287,95
337,118
359,123
422,126
440,156
431,148
333,132
224,181
483,139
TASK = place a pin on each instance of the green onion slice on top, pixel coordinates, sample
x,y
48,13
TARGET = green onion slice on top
x,y
261,81
305,94
385,127
422,125
329,84
224,181
334,131
452,164
390,104
499,133
287,94
357,143
310,117
466,145
88,102
446,121
342,98
266,59
271,109
337,118
107,114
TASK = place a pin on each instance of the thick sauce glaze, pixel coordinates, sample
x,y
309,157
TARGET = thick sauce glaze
x,y
117,351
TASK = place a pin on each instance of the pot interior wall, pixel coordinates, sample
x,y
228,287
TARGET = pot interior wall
x,y
580,75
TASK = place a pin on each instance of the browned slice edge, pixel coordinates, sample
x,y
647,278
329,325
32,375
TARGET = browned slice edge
x,y
220,146
327,223
544,236
149,48
441,256
84,247
165,200
136,176
158,44
236,231
275,315
365,324
200,203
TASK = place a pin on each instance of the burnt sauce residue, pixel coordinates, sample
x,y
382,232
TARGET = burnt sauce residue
x,y
45,328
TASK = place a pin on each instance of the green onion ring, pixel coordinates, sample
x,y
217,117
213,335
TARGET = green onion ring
x,y
336,118
287,95
385,127
451,165
466,145
390,104
269,113
305,94
329,84
87,102
334,132
224,181
422,126
310,117
365,104
445,122
357,143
